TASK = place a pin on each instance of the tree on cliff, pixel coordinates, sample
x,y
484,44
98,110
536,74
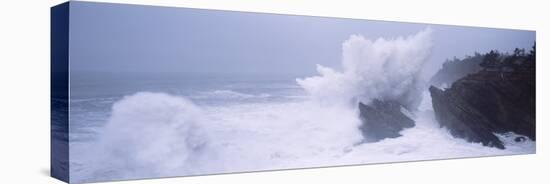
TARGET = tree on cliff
x,y
491,60
530,62
456,68
518,60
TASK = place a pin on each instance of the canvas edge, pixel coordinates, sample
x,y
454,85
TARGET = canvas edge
x,y
59,92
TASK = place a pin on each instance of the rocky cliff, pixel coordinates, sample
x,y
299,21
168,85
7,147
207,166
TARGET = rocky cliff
x,y
487,102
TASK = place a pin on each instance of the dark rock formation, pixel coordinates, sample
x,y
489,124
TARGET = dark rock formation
x,y
382,119
488,102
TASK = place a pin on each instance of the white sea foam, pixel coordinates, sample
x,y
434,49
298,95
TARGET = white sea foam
x,y
152,135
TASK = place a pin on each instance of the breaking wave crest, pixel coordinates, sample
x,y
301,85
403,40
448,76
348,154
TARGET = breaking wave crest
x,y
150,134
382,69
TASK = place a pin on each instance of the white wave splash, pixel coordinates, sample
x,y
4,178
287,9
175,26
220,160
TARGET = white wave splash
x,y
156,134
148,135
383,69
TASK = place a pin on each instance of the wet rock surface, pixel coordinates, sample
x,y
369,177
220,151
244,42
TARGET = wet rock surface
x,y
382,119
481,104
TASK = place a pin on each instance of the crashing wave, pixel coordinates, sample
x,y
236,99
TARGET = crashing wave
x,y
380,69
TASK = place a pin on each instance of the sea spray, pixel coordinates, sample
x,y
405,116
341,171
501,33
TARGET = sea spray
x,y
379,69
151,134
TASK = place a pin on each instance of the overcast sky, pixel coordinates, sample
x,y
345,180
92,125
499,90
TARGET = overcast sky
x,y
129,38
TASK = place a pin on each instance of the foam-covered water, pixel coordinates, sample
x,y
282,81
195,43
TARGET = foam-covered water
x,y
156,134
177,126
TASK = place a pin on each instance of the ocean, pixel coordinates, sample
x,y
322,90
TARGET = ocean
x,y
144,125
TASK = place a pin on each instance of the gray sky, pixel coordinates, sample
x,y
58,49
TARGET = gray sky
x,y
129,38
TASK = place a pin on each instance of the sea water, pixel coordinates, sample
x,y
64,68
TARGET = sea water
x,y
127,126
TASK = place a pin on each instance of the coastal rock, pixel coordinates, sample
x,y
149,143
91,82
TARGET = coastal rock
x,y
487,102
382,119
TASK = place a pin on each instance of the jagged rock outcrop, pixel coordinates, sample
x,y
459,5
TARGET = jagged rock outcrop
x,y
488,102
382,119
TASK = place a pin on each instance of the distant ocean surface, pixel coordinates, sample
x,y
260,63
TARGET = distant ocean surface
x,y
128,126
93,94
